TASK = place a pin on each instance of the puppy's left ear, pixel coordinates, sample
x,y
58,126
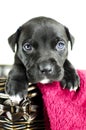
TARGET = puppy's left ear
x,y
70,37
13,39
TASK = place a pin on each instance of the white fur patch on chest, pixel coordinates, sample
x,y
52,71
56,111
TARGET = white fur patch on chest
x,y
44,81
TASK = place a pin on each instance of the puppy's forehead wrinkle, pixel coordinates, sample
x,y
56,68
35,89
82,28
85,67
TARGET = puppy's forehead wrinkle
x,y
40,28
40,20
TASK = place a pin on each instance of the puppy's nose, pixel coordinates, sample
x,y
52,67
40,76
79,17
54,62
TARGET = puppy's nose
x,y
45,68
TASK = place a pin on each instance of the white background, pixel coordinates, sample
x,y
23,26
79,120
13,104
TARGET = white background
x,y
71,13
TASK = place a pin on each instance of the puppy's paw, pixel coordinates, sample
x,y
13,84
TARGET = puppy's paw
x,y
16,90
71,81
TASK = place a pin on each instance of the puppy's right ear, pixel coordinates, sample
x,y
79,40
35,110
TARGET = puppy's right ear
x,y
70,37
13,39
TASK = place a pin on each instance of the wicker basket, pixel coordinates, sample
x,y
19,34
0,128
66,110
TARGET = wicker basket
x,y
28,115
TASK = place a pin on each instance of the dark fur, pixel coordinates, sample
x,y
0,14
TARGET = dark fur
x,y
43,60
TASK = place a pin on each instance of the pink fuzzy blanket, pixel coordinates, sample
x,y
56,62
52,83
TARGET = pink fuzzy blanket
x,y
64,110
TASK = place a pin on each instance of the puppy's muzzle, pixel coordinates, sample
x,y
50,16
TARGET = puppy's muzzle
x,y
45,71
49,71
46,68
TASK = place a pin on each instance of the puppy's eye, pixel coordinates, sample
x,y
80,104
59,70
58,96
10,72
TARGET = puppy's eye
x,y
27,47
60,46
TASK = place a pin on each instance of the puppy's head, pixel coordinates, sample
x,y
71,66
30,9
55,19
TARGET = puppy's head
x,y
42,47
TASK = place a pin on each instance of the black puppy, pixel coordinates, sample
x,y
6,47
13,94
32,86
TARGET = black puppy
x,y
40,56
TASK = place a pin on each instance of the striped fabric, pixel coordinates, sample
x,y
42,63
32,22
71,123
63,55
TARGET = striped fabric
x,y
28,115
